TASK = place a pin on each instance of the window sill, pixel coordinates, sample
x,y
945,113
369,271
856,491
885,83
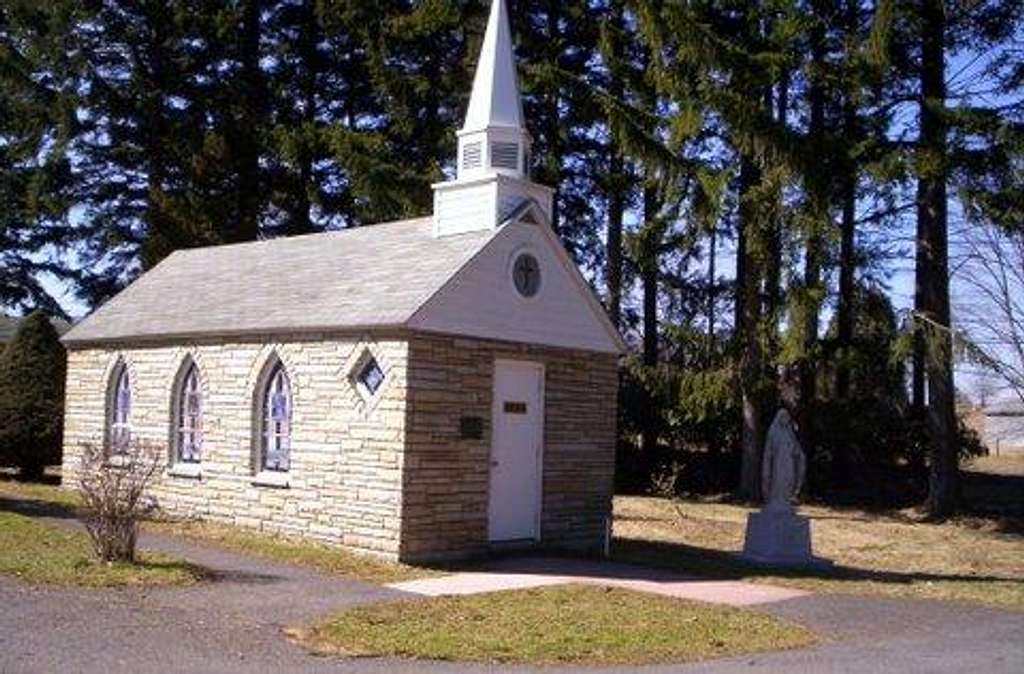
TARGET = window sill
x,y
269,478
192,471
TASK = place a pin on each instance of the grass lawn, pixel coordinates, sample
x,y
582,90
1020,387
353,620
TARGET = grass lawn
x,y
571,624
44,553
328,558
970,559
37,491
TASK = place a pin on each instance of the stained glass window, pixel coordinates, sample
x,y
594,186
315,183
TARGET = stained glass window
x,y
120,411
277,420
371,376
190,417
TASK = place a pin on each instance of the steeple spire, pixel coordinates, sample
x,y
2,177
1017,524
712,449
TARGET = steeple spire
x,y
494,138
495,99
492,182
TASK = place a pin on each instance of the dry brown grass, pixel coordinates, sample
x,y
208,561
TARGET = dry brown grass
x,y
890,554
1005,464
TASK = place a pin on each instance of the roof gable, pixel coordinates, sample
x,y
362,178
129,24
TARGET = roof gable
x,y
481,300
394,275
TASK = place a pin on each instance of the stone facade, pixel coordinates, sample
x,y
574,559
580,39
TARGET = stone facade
x,y
345,478
445,481
387,475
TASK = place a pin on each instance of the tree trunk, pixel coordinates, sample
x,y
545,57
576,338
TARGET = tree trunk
x,y
773,268
847,269
751,362
553,117
649,275
302,219
615,183
616,209
246,145
818,223
712,255
933,260
161,238
740,286
847,235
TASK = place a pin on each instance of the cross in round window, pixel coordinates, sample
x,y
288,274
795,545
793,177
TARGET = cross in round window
x,y
526,275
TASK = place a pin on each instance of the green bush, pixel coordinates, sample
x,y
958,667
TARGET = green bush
x,y
32,371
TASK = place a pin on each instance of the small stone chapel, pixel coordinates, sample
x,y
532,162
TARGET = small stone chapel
x,y
424,389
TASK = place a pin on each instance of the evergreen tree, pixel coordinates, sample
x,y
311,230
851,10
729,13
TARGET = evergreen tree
x,y
32,372
35,123
557,50
937,31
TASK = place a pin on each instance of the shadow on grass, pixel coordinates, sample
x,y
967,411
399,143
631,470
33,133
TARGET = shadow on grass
x,y
722,565
42,509
32,507
50,478
996,497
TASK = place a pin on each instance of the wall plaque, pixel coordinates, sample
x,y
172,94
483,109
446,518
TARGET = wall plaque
x,y
471,428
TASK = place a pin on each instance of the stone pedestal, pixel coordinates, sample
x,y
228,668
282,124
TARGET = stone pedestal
x,y
778,537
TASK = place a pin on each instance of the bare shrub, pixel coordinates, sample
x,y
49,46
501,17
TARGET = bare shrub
x,y
113,489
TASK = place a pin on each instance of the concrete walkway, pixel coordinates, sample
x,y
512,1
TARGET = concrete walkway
x,y
528,572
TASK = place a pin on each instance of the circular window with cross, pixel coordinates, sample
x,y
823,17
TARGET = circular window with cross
x,y
526,275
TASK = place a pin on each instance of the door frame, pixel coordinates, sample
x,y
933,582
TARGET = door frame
x,y
539,368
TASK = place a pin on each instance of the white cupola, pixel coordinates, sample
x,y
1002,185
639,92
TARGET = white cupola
x,y
494,146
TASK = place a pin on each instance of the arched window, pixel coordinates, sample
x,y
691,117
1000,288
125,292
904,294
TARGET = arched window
x,y
119,418
276,413
188,416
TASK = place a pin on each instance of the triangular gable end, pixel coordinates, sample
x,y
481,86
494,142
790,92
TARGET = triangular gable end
x,y
525,210
480,300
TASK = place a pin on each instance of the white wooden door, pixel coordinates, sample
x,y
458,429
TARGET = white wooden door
x,y
516,451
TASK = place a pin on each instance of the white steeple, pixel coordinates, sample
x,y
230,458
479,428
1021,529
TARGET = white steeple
x,y
494,145
495,100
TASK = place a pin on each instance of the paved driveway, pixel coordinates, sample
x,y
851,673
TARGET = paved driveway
x,y
234,625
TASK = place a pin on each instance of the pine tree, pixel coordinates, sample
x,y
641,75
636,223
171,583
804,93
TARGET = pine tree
x,y
32,371
557,48
35,123
938,30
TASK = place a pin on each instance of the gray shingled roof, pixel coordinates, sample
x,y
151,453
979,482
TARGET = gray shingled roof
x,y
367,276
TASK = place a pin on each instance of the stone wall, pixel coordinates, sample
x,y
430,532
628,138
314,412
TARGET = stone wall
x,y
345,478
445,482
390,476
